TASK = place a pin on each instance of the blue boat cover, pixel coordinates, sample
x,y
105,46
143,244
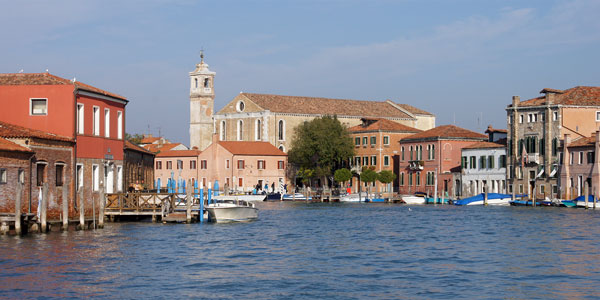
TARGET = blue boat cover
x,y
582,198
481,197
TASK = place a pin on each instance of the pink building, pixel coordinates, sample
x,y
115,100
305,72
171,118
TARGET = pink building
x,y
242,165
176,164
580,166
431,152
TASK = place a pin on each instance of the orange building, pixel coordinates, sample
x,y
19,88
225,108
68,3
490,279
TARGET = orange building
x,y
376,145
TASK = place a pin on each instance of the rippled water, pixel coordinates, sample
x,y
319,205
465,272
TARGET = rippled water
x,y
309,251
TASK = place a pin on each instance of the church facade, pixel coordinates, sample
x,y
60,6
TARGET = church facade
x,y
273,118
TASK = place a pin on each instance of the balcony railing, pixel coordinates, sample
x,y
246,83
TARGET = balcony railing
x,y
415,165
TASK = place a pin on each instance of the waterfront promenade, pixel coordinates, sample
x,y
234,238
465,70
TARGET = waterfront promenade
x,y
319,251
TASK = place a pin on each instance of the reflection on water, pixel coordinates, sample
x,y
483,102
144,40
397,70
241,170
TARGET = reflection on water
x,y
308,251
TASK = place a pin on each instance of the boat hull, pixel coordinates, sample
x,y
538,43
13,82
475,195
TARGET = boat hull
x,y
297,197
413,200
242,197
226,214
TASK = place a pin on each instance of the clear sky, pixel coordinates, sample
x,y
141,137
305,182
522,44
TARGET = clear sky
x,y
462,60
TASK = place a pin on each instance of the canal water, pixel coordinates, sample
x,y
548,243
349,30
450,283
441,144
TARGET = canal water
x,y
319,251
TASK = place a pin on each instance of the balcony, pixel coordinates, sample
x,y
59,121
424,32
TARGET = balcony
x,y
415,165
532,158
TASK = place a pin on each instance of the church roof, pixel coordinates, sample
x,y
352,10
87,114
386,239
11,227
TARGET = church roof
x,y
328,106
251,148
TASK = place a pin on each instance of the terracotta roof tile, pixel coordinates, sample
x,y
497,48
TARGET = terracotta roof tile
x,y
325,106
161,147
579,95
49,79
446,132
583,142
483,145
7,145
382,125
14,131
131,146
491,129
251,148
149,140
178,153
413,110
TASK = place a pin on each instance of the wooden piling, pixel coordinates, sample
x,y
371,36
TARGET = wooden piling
x,y
65,208
18,230
81,210
587,192
485,197
43,211
188,196
101,205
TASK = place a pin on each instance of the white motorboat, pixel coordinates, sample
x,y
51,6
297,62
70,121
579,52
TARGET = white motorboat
x,y
296,196
259,197
231,210
353,197
411,199
493,199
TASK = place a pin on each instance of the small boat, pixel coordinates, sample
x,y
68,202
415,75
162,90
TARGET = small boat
x,y
580,201
410,199
493,199
231,209
567,203
353,197
259,197
296,196
375,200
273,197
431,200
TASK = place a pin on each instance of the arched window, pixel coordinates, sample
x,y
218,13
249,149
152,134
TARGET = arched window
x,y
258,130
281,130
223,130
240,133
196,81
282,148
206,82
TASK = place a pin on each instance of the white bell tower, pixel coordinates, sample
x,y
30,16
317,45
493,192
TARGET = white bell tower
x,y
202,98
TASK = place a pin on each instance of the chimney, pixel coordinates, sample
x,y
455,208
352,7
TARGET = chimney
x,y
550,98
515,101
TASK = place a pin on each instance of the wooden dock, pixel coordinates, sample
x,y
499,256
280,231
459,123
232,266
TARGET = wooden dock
x,y
167,207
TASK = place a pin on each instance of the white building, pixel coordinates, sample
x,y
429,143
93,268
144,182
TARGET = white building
x,y
483,166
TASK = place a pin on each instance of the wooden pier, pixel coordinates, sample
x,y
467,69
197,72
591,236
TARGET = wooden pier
x,y
167,207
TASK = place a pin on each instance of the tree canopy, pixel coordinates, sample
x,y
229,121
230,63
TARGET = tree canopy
x,y
368,175
386,176
135,138
322,145
342,175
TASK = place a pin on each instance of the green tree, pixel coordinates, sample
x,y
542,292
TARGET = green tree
x,y
135,138
322,145
342,175
306,175
369,176
386,176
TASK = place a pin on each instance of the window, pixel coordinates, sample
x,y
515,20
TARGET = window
x,y
207,83
120,125
41,173
590,157
581,157
482,160
598,116
542,188
520,189
196,82
373,160
39,107
373,141
227,163
179,164
169,165
59,174
402,178
430,178
365,161
510,119
240,182
3,176
96,120
240,164
257,130
95,177
386,140
521,118
510,188
80,118
192,165
357,161
21,178
464,162
79,177
386,160
490,162
418,178
357,141
281,130
158,165
203,164
223,131
240,106
410,179
402,153
281,165
260,164
554,146
555,116
411,152
571,155
365,141
473,162
502,161
240,128
107,122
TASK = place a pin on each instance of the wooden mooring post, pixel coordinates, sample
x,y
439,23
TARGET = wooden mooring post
x,y
101,206
587,192
188,198
18,230
65,207
44,204
81,210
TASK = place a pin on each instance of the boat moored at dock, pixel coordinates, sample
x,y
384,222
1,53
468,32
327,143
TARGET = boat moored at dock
x,y
492,199
232,210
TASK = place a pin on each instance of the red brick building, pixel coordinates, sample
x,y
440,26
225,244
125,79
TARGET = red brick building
x,y
376,143
33,157
93,118
431,152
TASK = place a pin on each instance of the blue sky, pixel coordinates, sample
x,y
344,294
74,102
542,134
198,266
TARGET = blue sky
x,y
462,60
